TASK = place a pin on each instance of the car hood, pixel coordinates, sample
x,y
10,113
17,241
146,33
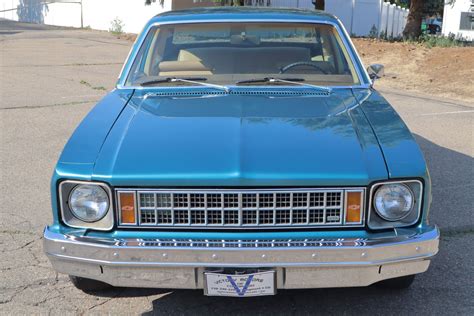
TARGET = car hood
x,y
241,140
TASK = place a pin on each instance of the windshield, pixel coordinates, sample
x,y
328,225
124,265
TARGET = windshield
x,y
243,53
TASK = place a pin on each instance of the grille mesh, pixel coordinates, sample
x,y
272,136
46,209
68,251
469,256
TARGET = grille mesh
x,y
246,209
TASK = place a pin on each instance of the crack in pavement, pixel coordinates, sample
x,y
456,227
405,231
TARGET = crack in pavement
x,y
8,300
38,238
26,244
23,107
105,301
103,42
16,232
62,65
65,37
20,289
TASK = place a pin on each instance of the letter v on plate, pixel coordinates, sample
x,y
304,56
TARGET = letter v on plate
x,y
239,291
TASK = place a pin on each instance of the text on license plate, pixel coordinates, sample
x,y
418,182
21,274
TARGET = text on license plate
x,y
254,284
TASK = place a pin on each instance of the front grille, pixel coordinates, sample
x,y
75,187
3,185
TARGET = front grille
x,y
241,209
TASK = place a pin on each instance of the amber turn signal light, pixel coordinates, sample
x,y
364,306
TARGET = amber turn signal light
x,y
127,208
354,207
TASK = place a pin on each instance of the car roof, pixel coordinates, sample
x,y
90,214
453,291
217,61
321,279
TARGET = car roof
x,y
243,13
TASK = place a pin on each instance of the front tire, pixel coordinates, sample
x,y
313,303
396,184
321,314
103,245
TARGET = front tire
x,y
398,283
88,285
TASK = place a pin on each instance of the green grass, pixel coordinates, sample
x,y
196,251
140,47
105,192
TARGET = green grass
x,y
438,41
116,27
429,41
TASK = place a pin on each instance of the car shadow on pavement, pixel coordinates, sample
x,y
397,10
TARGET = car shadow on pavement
x,y
452,178
314,301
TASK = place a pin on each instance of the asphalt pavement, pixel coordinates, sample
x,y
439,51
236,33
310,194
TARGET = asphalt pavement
x,y
51,77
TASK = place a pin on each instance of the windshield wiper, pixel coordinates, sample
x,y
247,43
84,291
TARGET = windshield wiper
x,y
269,79
168,79
297,81
186,80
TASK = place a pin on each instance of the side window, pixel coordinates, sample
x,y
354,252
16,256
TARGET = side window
x,y
467,21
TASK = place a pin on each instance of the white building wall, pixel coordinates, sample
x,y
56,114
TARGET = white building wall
x,y
63,14
97,14
452,18
134,14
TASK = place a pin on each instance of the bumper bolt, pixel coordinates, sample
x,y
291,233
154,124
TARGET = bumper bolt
x,y
116,255
418,249
264,256
363,255
165,256
214,256
63,249
313,256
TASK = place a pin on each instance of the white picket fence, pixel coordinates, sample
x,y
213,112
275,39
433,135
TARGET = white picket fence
x,y
360,17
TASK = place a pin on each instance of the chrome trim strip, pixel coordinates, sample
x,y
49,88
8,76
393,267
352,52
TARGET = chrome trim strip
x,y
246,265
149,243
240,208
339,27
370,208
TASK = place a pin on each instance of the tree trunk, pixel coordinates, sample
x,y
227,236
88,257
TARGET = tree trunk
x,y
413,27
319,5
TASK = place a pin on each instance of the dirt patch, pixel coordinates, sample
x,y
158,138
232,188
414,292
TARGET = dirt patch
x,y
443,72
128,37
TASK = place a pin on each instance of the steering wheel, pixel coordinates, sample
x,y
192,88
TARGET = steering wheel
x,y
302,63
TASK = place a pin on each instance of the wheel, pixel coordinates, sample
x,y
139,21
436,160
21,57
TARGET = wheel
x,y
88,285
398,283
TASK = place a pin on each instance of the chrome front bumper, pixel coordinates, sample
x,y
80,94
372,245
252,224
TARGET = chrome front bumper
x,y
298,263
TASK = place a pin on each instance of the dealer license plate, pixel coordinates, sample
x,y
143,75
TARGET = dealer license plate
x,y
242,285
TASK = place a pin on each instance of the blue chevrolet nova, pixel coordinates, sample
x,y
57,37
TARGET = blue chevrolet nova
x,y
243,151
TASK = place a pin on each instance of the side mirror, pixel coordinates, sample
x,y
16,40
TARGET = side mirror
x,y
375,71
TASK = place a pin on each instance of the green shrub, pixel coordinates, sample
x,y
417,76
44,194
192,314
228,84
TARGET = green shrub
x,y
373,33
116,26
439,41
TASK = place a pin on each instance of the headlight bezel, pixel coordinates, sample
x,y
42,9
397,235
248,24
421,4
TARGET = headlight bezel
x,y
376,221
65,189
